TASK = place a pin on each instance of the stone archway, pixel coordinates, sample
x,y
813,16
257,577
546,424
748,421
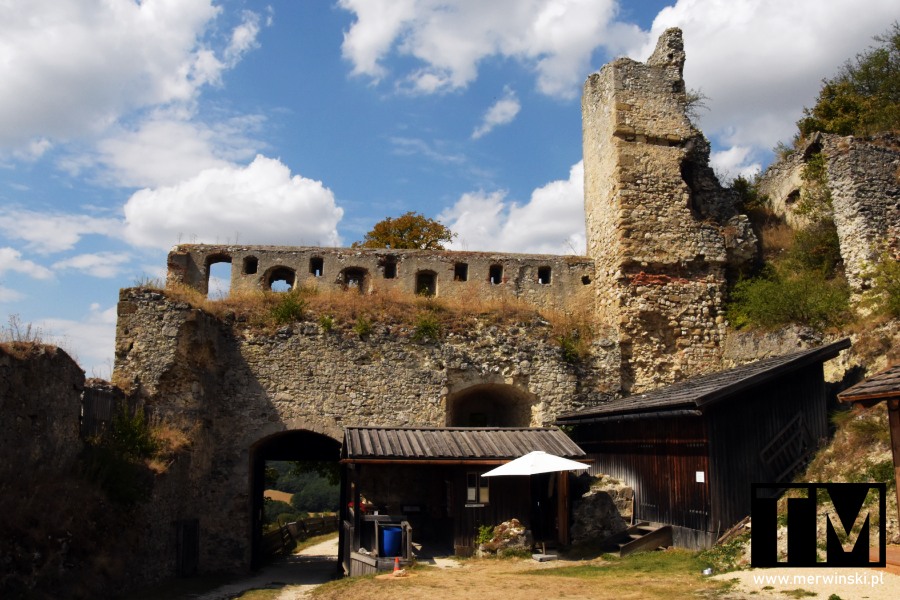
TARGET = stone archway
x,y
297,444
490,405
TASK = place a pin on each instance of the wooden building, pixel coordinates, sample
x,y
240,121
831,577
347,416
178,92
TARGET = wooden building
x,y
882,387
431,479
692,449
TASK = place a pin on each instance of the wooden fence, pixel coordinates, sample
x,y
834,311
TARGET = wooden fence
x,y
281,541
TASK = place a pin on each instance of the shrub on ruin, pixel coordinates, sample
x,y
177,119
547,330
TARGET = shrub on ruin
x,y
326,322
363,326
885,280
427,327
289,308
116,460
776,298
817,247
864,97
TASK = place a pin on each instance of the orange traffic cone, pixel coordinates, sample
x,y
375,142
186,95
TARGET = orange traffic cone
x,y
396,565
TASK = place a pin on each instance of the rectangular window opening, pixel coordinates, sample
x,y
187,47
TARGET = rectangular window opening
x,y
317,266
461,272
495,274
478,490
544,275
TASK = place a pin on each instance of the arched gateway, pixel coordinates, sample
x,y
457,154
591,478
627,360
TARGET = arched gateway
x,y
300,445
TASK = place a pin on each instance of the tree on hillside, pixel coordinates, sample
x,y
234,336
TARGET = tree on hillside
x,y
864,97
410,231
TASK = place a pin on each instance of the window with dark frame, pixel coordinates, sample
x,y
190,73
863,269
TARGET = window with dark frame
x,y
251,264
477,489
390,269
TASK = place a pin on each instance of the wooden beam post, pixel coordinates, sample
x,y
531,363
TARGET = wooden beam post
x,y
562,518
894,421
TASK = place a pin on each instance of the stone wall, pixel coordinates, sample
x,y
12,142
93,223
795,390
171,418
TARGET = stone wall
x,y
660,228
233,386
543,281
863,176
40,404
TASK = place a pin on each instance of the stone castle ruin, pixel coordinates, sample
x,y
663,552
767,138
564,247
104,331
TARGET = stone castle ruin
x,y
662,234
861,178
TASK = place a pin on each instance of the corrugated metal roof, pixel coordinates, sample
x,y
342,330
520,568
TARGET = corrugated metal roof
x,y
454,443
698,392
881,385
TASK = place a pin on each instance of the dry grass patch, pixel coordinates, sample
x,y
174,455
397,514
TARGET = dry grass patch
x,y
668,575
776,239
349,311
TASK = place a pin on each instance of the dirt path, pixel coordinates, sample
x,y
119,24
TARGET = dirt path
x,y
294,575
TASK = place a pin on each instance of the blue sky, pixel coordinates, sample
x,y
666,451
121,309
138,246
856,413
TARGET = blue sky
x,y
127,127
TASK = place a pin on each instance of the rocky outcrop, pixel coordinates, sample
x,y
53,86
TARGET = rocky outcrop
x,y
603,511
507,537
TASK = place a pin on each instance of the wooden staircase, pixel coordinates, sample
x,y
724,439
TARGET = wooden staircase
x,y
641,537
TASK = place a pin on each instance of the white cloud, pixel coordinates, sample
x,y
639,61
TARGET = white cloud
x,y
167,148
73,68
761,61
502,112
434,151
10,295
733,162
11,260
101,264
91,341
552,222
52,231
261,203
555,38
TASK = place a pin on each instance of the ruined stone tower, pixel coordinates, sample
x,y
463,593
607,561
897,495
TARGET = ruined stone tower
x,y
660,228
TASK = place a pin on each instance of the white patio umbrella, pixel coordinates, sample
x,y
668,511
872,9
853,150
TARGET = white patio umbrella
x,y
534,463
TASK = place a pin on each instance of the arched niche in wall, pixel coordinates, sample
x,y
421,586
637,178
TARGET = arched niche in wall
x,y
280,279
490,405
354,278
218,275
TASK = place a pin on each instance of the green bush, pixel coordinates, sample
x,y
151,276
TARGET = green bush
x,y
115,460
885,279
817,248
288,309
484,534
774,300
317,496
427,327
130,435
363,326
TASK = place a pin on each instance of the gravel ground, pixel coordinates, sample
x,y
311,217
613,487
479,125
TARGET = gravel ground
x,y
847,584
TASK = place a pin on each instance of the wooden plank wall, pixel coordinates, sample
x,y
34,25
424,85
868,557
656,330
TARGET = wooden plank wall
x,y
510,497
743,426
660,459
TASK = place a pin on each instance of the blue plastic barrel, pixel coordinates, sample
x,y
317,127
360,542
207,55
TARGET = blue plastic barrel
x,y
390,540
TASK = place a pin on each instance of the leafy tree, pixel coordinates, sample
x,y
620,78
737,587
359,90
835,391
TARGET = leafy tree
x,y
864,97
411,231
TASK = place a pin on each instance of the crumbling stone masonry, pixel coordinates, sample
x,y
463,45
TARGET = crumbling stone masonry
x,y
863,177
234,387
560,283
660,228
